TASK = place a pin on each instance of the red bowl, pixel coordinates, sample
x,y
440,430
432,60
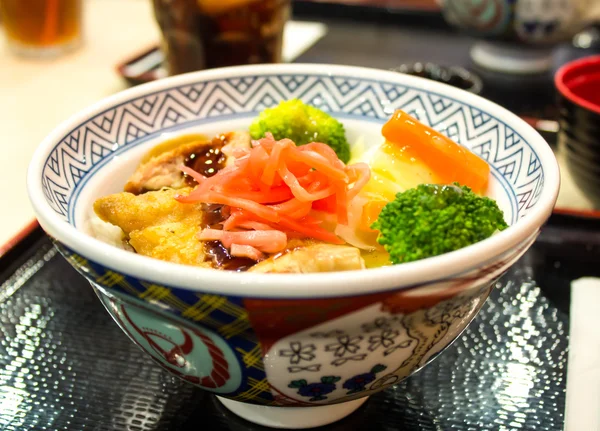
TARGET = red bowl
x,y
578,85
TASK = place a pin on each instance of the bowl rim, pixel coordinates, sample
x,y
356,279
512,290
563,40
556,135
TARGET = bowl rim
x,y
313,285
565,91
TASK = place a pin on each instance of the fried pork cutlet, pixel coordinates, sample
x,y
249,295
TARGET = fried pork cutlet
x,y
157,225
204,156
313,258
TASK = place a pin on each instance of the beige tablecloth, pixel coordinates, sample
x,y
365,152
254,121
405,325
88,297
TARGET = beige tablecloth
x,y
36,95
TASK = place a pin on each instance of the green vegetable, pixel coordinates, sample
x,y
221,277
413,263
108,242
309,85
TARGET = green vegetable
x,y
302,124
433,219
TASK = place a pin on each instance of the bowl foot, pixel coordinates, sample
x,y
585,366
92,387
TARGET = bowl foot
x,y
511,59
292,417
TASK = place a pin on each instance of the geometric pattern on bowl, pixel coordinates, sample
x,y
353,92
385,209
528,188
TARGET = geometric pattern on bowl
x,y
93,142
301,351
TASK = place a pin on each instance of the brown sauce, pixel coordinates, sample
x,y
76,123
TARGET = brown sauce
x,y
171,144
208,161
221,258
216,253
212,215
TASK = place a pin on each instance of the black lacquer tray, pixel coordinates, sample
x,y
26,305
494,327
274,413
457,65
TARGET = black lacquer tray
x,y
64,365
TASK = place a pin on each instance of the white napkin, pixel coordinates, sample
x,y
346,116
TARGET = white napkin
x,y
583,370
298,36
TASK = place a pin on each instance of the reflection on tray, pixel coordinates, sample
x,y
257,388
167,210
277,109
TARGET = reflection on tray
x,y
63,348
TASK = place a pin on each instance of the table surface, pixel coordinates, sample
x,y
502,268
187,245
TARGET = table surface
x,y
37,95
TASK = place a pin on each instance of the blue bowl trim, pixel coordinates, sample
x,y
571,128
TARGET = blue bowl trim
x,y
129,123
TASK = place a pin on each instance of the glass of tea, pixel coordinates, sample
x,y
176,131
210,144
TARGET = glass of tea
x,y
41,27
204,34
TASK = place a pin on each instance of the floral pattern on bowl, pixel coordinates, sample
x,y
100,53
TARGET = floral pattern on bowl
x,y
288,340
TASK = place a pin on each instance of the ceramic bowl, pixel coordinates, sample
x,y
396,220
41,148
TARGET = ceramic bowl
x,y
578,91
517,36
288,350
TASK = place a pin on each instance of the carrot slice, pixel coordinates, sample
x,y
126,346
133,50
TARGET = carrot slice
x,y
448,160
370,212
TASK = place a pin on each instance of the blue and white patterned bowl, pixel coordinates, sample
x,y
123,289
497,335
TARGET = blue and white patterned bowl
x,y
269,343
517,36
535,22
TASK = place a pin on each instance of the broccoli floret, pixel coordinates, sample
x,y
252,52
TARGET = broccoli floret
x,y
302,124
433,219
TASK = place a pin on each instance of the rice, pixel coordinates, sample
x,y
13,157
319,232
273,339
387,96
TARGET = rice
x,y
106,232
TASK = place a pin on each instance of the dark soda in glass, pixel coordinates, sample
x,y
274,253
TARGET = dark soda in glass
x,y
204,34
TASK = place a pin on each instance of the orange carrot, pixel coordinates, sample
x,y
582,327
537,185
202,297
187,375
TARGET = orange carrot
x,y
370,213
448,160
